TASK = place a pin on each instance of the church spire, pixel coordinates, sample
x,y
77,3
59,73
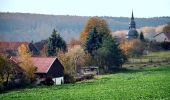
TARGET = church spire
x,y
132,16
132,33
132,24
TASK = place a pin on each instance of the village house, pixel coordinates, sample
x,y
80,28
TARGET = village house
x,y
161,37
10,47
47,67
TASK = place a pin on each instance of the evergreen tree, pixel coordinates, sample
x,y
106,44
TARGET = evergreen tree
x,y
55,44
141,37
93,41
110,55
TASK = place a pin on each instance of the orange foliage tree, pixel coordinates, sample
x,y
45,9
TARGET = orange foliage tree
x,y
100,24
26,62
133,47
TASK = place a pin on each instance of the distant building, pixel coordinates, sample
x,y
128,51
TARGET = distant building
x,y
132,33
11,48
47,67
161,37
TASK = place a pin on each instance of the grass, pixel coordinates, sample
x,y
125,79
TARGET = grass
x,y
160,54
152,59
149,83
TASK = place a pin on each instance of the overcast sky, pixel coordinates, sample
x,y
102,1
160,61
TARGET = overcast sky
x,y
116,8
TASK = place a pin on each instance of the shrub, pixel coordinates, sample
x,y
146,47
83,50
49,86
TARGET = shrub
x,y
69,79
49,81
165,45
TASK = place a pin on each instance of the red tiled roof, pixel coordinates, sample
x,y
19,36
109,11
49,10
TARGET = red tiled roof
x,y
11,45
43,64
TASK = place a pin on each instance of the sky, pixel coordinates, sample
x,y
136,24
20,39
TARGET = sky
x,y
115,8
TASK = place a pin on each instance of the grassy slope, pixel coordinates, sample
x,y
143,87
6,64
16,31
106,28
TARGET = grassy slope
x,y
151,83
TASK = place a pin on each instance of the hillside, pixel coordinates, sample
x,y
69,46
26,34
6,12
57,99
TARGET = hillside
x,y
151,83
27,27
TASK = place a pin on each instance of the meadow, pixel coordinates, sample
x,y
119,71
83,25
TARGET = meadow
x,y
148,83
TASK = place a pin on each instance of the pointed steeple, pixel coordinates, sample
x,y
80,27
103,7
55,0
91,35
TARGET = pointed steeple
x,y
132,33
132,16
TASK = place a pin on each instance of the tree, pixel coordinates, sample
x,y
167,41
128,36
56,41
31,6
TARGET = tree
x,y
141,37
65,60
76,56
55,44
74,42
101,46
167,28
110,55
93,42
133,47
125,46
101,27
26,62
5,69
73,59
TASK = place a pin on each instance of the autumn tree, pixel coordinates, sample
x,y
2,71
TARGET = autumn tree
x,y
101,27
167,28
26,62
65,60
55,44
73,59
126,46
74,42
76,55
133,47
5,69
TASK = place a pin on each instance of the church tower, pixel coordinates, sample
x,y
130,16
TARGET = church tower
x,y
132,24
132,33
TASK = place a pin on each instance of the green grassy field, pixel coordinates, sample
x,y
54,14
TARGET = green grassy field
x,y
152,59
149,83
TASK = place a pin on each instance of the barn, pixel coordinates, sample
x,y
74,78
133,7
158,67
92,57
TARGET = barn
x,y
47,67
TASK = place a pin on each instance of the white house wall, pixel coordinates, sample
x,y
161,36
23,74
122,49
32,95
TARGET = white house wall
x,y
58,80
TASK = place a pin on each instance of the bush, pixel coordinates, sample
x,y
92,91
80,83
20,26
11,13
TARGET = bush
x,y
49,81
89,76
69,79
1,87
165,45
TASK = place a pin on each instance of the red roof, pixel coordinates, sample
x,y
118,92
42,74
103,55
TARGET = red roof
x,y
11,45
43,64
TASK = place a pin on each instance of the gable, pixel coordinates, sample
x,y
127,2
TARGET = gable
x,y
56,69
